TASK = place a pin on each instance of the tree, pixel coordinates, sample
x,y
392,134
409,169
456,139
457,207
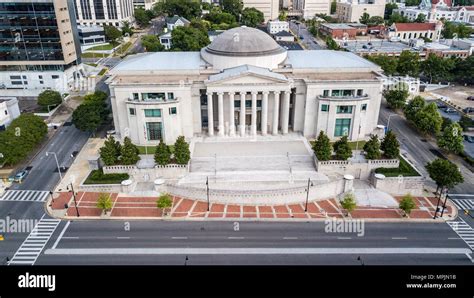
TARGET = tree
x,y
217,16
387,63
390,145
364,19
428,119
451,139
446,123
104,202
333,6
342,149
49,98
188,9
151,43
129,153
331,44
463,70
112,33
408,64
162,154
349,203
189,39
412,2
396,99
252,17
375,20
451,29
437,68
110,152
232,6
141,17
165,201
283,15
181,151
389,7
126,29
87,117
397,18
421,18
413,106
465,122
97,96
444,173
322,147
407,204
372,148
206,6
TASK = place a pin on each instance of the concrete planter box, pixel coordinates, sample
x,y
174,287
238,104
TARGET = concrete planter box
x,y
360,170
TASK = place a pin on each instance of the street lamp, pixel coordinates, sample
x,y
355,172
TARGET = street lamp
x,y
388,121
74,196
207,191
307,194
57,163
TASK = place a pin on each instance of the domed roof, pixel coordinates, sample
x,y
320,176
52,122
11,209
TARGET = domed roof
x,y
244,41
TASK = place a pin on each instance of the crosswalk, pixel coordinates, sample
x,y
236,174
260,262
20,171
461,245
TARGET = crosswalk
x,y
34,244
463,230
464,204
25,195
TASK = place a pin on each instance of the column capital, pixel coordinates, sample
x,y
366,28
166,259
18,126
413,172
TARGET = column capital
x,y
220,93
277,92
242,92
209,93
266,92
287,91
254,92
231,93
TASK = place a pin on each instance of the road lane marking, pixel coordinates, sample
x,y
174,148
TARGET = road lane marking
x,y
179,237
235,237
70,237
290,238
256,251
61,235
344,238
399,238
123,237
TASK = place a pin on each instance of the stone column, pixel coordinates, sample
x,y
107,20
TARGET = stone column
x,y
254,113
220,109
210,116
264,113
276,108
285,116
231,114
242,113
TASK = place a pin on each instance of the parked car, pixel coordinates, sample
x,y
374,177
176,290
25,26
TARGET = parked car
x,y
441,105
468,110
469,138
470,98
20,176
450,110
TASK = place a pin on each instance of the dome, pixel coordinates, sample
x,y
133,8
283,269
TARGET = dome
x,y
244,42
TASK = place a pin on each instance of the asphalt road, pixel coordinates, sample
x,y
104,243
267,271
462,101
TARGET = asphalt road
x,y
308,39
101,246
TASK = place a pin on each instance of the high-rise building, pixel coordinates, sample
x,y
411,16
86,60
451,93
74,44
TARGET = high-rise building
x,y
269,8
309,8
39,46
350,11
104,12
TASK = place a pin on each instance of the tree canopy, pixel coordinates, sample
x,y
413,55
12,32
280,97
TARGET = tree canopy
x,y
49,98
189,39
151,43
129,153
252,17
181,151
111,33
372,148
342,149
390,145
396,99
451,139
322,147
444,173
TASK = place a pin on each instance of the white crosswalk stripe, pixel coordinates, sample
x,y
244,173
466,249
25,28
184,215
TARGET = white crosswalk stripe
x,y
464,204
34,244
25,195
464,231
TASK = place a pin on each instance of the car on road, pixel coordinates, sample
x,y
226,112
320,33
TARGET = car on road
x,y
301,37
19,177
468,110
470,98
450,110
441,105
469,138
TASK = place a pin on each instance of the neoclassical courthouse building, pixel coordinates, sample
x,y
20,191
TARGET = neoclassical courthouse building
x,y
242,85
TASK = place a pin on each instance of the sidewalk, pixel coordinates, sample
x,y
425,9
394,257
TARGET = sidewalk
x,y
186,209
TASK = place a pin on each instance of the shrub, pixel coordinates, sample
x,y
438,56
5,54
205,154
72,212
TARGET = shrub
x,y
349,203
407,204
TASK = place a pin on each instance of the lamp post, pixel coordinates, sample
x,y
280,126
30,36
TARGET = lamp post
x,y
307,194
57,163
388,121
207,191
74,196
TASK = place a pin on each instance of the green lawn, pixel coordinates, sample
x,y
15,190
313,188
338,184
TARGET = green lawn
x,y
353,145
98,177
104,47
103,71
92,64
151,149
93,55
122,49
405,169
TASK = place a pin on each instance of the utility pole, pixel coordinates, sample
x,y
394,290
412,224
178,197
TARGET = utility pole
x,y
75,202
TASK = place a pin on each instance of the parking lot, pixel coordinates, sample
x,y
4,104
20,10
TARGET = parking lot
x,y
457,95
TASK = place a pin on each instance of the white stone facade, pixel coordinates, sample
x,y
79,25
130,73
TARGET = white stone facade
x,y
104,12
9,110
350,11
167,94
269,8
277,26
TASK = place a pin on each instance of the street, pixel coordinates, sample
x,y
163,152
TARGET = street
x,y
308,38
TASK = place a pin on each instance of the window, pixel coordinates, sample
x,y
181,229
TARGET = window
x,y
326,93
55,77
324,108
40,77
153,131
24,77
341,93
132,111
360,92
153,96
6,112
363,107
170,95
15,77
17,83
41,82
342,127
173,111
152,113
344,109
135,96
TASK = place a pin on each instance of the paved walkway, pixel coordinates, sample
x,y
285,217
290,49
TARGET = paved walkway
x,y
145,207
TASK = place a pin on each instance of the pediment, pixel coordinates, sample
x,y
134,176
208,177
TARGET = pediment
x,y
246,75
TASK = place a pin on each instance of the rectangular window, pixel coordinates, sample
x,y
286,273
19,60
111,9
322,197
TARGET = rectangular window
x,y
342,127
17,83
326,93
41,82
40,77
324,108
152,113
15,77
173,111
364,107
54,77
24,77
341,93
360,92
344,109
132,111
153,130
153,96
170,95
135,96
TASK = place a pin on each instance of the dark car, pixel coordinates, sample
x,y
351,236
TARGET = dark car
x,y
469,138
441,105
468,110
450,110
470,98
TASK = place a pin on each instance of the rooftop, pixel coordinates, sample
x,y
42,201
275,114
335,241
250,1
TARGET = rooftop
x,y
326,59
175,18
161,61
343,26
415,26
283,33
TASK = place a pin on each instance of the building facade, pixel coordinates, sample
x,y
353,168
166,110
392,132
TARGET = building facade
x,y
241,85
269,8
9,111
309,8
344,30
407,31
40,46
277,26
350,11
104,12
